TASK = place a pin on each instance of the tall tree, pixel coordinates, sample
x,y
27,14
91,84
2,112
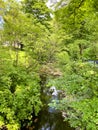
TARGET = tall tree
x,y
38,9
79,20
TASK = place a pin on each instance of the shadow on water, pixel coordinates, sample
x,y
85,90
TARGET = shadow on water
x,y
49,118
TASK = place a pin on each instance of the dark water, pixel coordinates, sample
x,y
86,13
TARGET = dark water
x,y
51,119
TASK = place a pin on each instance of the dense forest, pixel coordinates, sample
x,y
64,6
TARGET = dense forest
x,y
42,47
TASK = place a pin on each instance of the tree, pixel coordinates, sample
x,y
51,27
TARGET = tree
x,y
79,18
38,9
18,85
79,80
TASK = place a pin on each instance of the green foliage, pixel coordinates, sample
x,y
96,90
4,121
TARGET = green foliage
x,y
88,114
19,79
80,92
20,95
68,43
38,9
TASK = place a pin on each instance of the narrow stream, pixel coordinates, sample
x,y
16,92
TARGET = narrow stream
x,y
49,118
51,121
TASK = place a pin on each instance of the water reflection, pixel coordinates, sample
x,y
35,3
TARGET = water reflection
x,y
51,119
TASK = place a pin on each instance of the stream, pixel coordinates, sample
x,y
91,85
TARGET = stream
x,y
49,118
